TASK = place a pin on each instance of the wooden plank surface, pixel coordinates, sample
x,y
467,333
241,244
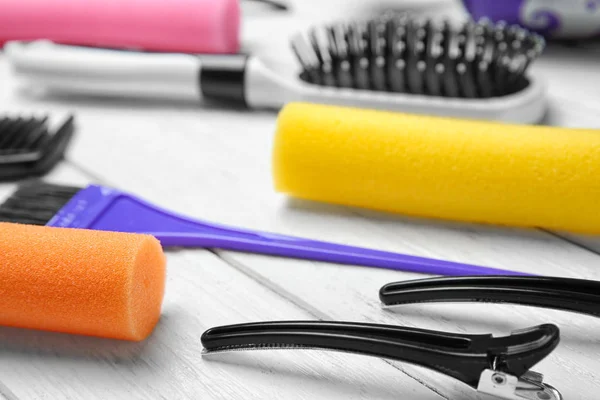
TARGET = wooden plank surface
x,y
245,198
179,156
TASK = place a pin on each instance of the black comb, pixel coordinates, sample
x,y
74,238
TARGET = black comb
x,y
400,53
32,146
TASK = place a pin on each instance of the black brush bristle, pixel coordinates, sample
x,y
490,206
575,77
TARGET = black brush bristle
x,y
36,202
402,54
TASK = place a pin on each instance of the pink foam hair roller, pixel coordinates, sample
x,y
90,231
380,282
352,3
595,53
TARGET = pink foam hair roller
x,y
186,26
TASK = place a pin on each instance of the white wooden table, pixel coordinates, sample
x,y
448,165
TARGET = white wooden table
x,y
214,164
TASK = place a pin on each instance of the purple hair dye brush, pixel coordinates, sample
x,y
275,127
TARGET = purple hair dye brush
x,y
564,19
102,208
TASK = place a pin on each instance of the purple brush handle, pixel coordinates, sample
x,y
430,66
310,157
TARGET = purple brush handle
x,y
101,208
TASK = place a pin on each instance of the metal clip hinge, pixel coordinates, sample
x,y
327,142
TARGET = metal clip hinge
x,y
496,385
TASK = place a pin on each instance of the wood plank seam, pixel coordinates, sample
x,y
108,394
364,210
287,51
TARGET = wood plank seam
x,y
270,285
6,393
572,241
85,171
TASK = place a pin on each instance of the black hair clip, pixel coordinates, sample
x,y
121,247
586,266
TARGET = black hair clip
x,y
575,295
32,146
497,367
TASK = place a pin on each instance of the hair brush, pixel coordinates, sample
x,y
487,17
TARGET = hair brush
x,y
32,146
395,62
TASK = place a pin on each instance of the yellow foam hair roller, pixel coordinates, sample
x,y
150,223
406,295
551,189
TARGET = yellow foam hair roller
x,y
461,170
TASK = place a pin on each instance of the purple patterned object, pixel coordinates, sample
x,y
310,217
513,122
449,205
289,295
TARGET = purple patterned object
x,y
552,18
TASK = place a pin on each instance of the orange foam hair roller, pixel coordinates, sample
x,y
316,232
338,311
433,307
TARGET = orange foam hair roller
x,y
80,281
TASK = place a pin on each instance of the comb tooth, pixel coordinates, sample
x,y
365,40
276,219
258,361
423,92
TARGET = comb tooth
x,y
517,72
501,74
524,51
433,53
538,44
450,55
4,123
501,58
522,36
500,30
358,52
333,52
316,49
7,125
513,47
440,71
326,67
35,139
465,77
346,79
506,66
485,48
465,69
308,60
531,40
11,131
350,48
18,136
315,66
31,132
314,42
396,38
331,42
530,47
512,39
32,125
342,64
470,43
415,64
297,50
486,89
377,52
